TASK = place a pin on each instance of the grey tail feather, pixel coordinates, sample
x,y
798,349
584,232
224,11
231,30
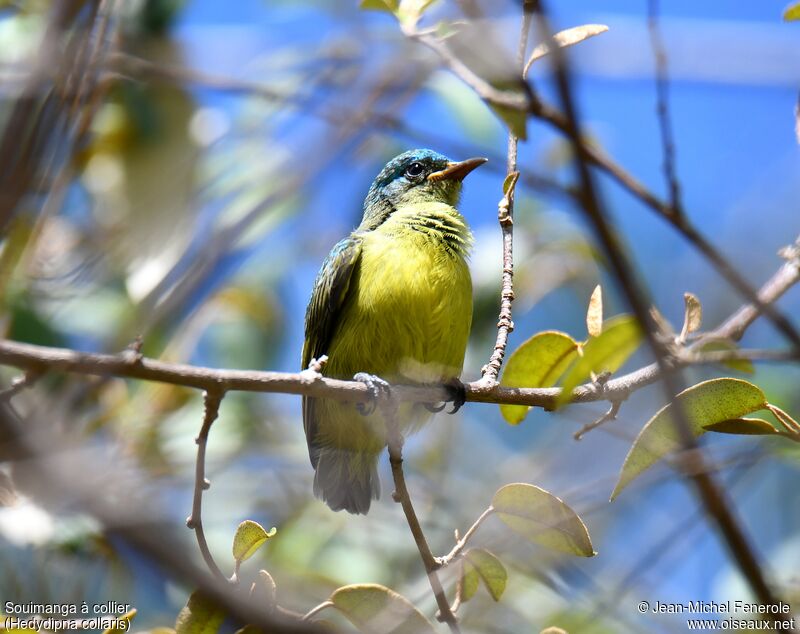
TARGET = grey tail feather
x,y
347,482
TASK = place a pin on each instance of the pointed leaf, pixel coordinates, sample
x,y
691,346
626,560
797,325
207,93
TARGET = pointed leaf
x,y
726,345
516,120
594,314
742,426
620,338
250,536
375,609
470,580
539,362
489,569
199,616
692,315
792,12
567,37
542,518
703,404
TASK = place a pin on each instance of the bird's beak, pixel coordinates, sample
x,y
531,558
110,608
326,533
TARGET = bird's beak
x,y
457,171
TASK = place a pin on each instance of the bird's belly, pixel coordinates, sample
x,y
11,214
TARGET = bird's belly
x,y
410,313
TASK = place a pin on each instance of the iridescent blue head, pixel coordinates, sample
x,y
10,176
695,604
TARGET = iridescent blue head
x,y
413,177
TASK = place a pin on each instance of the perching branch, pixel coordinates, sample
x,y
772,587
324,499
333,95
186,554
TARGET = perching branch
x,y
41,359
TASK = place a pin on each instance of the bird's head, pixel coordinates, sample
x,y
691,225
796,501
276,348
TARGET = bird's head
x,y
413,177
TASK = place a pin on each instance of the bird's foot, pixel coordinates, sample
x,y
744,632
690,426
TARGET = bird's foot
x,y
377,388
457,393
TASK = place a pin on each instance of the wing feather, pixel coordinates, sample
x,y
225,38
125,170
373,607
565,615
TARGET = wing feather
x,y
324,310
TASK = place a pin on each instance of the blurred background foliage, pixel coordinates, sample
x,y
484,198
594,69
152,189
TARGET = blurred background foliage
x,y
231,144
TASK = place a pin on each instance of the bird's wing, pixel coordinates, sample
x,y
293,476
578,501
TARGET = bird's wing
x,y
324,309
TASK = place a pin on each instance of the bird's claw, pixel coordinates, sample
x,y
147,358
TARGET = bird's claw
x,y
458,396
377,388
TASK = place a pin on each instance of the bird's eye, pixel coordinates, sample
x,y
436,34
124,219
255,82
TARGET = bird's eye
x,y
415,169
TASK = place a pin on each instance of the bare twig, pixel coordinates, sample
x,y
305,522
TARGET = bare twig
x,y
662,90
611,414
28,378
402,496
505,216
462,543
212,400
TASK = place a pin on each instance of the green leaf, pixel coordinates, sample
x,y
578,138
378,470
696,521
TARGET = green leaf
x,y
703,404
692,315
470,580
490,570
742,426
568,37
375,609
620,338
199,616
250,536
516,120
539,362
792,12
509,182
542,518
726,345
389,6
118,627
594,314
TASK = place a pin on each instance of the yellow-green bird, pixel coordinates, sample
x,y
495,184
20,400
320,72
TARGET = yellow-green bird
x,y
392,300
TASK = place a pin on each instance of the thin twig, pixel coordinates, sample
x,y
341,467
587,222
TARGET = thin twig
x,y
402,496
505,216
28,378
611,414
662,108
462,543
212,400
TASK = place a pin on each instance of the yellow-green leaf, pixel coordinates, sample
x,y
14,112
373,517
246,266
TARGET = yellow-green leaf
x,y
390,6
470,580
250,536
692,315
742,426
567,37
726,345
199,616
619,339
539,362
792,12
542,518
516,120
703,404
594,314
122,623
489,569
375,609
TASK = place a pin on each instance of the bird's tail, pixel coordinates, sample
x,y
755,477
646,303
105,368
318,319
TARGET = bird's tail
x,y
347,479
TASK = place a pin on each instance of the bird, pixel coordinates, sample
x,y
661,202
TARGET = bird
x,y
392,302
